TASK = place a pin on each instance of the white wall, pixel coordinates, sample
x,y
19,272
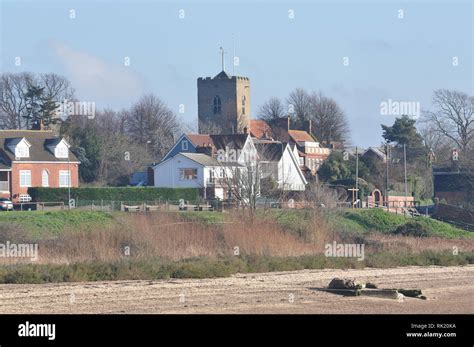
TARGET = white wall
x,y
289,173
167,173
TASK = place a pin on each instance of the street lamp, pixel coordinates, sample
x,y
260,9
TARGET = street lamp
x,y
146,146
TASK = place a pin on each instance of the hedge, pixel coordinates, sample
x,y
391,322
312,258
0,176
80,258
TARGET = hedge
x,y
114,193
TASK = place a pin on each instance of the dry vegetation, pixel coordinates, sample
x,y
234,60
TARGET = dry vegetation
x,y
175,237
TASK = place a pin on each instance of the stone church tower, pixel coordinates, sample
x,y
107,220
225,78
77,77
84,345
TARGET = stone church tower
x,y
223,104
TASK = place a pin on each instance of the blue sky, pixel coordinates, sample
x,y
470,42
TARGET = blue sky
x,y
389,58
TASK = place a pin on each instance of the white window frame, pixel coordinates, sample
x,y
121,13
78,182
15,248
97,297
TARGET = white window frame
x,y
61,175
43,176
22,152
182,177
184,145
25,178
59,152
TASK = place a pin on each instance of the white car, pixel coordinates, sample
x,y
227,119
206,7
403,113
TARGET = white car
x,y
5,204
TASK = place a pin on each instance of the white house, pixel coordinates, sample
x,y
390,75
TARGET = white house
x,y
191,170
278,161
220,165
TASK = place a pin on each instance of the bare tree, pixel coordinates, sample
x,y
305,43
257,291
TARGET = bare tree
x,y
13,95
329,120
453,116
13,103
56,87
257,173
272,109
299,104
150,123
119,156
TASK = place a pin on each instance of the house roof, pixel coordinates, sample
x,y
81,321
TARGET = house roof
x,y
200,140
300,136
38,139
231,141
202,159
53,142
376,151
13,141
259,128
4,166
270,151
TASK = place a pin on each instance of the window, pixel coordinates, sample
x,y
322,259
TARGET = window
x,y
217,105
22,152
45,178
243,104
188,174
64,178
61,152
25,178
211,176
184,145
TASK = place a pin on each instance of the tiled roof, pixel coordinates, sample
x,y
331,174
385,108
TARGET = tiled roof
x,y
38,139
232,141
200,140
259,128
270,151
300,136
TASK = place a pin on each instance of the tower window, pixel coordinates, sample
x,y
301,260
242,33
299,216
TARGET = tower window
x,y
217,105
243,104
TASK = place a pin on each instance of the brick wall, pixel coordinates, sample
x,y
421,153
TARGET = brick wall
x,y
36,175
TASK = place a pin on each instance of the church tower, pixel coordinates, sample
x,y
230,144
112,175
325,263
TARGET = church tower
x,y
223,104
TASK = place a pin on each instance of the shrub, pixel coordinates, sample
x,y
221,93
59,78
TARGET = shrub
x,y
114,194
412,228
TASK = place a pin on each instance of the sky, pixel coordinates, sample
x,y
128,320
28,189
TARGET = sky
x,y
360,53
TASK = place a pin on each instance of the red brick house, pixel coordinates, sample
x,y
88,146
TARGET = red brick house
x,y
35,158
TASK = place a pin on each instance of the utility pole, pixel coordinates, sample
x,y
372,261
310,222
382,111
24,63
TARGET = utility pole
x,y
387,159
405,165
68,180
357,177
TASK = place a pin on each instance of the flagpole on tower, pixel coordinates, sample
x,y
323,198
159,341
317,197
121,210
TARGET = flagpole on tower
x,y
222,58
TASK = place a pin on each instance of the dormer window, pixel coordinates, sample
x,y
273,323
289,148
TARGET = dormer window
x,y
59,147
19,146
61,152
22,152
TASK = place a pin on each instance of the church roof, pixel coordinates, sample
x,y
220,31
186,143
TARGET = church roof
x,y
222,75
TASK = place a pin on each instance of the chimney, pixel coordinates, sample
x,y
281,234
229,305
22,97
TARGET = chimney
x,y
283,123
37,125
309,127
280,129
